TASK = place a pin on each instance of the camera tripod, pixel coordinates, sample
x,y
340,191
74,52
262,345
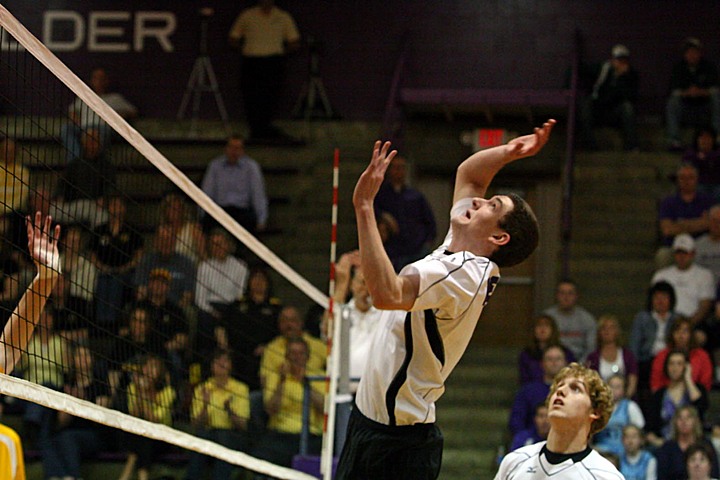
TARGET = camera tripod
x,y
313,89
202,80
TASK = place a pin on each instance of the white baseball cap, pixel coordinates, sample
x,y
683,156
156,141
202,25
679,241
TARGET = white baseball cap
x,y
684,242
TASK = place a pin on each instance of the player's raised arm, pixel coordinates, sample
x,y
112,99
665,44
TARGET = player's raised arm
x,y
477,171
388,290
42,243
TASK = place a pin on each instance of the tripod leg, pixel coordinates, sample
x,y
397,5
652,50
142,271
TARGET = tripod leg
x,y
214,87
189,89
324,98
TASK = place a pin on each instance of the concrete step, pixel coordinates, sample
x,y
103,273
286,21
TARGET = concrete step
x,y
463,464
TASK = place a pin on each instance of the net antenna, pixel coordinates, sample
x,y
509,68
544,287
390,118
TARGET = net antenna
x,y
203,80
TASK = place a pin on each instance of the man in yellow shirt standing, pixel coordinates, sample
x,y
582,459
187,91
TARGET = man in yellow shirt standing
x,y
220,411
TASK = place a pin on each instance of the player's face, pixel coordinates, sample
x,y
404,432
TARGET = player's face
x,y
571,402
482,219
698,466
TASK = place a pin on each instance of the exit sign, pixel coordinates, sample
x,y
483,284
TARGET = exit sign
x,y
490,137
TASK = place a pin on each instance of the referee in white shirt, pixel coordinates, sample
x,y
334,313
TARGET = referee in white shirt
x,y
431,309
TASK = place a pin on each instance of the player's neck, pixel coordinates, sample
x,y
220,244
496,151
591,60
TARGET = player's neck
x,y
567,439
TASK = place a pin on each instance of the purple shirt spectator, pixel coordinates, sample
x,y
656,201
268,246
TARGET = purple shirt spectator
x,y
673,208
531,366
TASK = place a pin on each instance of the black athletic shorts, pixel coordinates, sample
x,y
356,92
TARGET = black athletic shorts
x,y
374,451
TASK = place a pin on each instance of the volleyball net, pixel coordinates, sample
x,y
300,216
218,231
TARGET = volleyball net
x,y
157,327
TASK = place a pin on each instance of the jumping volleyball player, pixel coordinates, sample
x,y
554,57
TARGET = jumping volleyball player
x,y
431,309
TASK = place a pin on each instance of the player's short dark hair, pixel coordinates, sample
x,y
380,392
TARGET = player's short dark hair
x,y
522,226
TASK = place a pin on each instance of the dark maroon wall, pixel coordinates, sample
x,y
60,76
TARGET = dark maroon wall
x,y
451,43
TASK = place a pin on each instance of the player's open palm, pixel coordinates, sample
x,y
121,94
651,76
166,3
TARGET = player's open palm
x,y
42,244
529,145
371,179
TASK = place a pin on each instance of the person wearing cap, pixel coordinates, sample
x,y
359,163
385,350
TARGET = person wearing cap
x,y
612,100
693,91
694,285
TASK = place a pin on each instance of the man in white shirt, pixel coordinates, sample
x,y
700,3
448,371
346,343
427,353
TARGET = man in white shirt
x,y
430,311
579,405
707,246
694,285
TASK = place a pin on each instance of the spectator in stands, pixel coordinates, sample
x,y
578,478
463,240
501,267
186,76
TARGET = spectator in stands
x,y
693,91
685,211
76,438
577,326
680,391
219,413
704,155
680,337
283,396
82,191
169,324
359,311
14,180
707,246
410,211
698,462
649,331
610,358
150,397
82,118
75,306
221,281
694,285
636,463
251,325
116,249
686,431
612,100
544,333
265,34
187,231
163,256
291,325
235,182
537,433
625,412
707,336
532,393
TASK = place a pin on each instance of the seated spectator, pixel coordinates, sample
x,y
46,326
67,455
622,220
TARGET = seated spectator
x,y
76,438
283,395
290,324
187,231
221,280
358,310
14,181
410,211
611,358
116,249
686,431
78,285
251,324
694,285
625,412
698,462
163,256
81,192
681,391
693,91
532,393
151,397
685,211
636,463
707,245
577,326
649,331
704,155
545,333
612,100
680,337
83,118
537,433
219,413
707,336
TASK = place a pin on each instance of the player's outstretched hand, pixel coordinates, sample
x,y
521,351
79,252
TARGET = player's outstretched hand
x,y
369,182
529,145
42,244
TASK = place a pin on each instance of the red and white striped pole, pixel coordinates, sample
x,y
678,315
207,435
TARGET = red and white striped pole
x,y
333,364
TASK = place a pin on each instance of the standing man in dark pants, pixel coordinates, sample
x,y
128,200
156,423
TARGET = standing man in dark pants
x,y
265,34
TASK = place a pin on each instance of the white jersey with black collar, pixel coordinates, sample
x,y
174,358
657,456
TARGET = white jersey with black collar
x,y
413,353
535,462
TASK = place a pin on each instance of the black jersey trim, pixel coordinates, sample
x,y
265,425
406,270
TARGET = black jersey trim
x,y
434,337
401,375
557,458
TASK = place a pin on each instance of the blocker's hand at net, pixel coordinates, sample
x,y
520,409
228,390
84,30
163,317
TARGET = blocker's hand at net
x,y
42,244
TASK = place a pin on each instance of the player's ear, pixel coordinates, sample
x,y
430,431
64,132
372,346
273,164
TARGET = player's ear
x,y
500,238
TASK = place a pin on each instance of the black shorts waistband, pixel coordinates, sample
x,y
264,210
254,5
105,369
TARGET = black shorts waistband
x,y
381,427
